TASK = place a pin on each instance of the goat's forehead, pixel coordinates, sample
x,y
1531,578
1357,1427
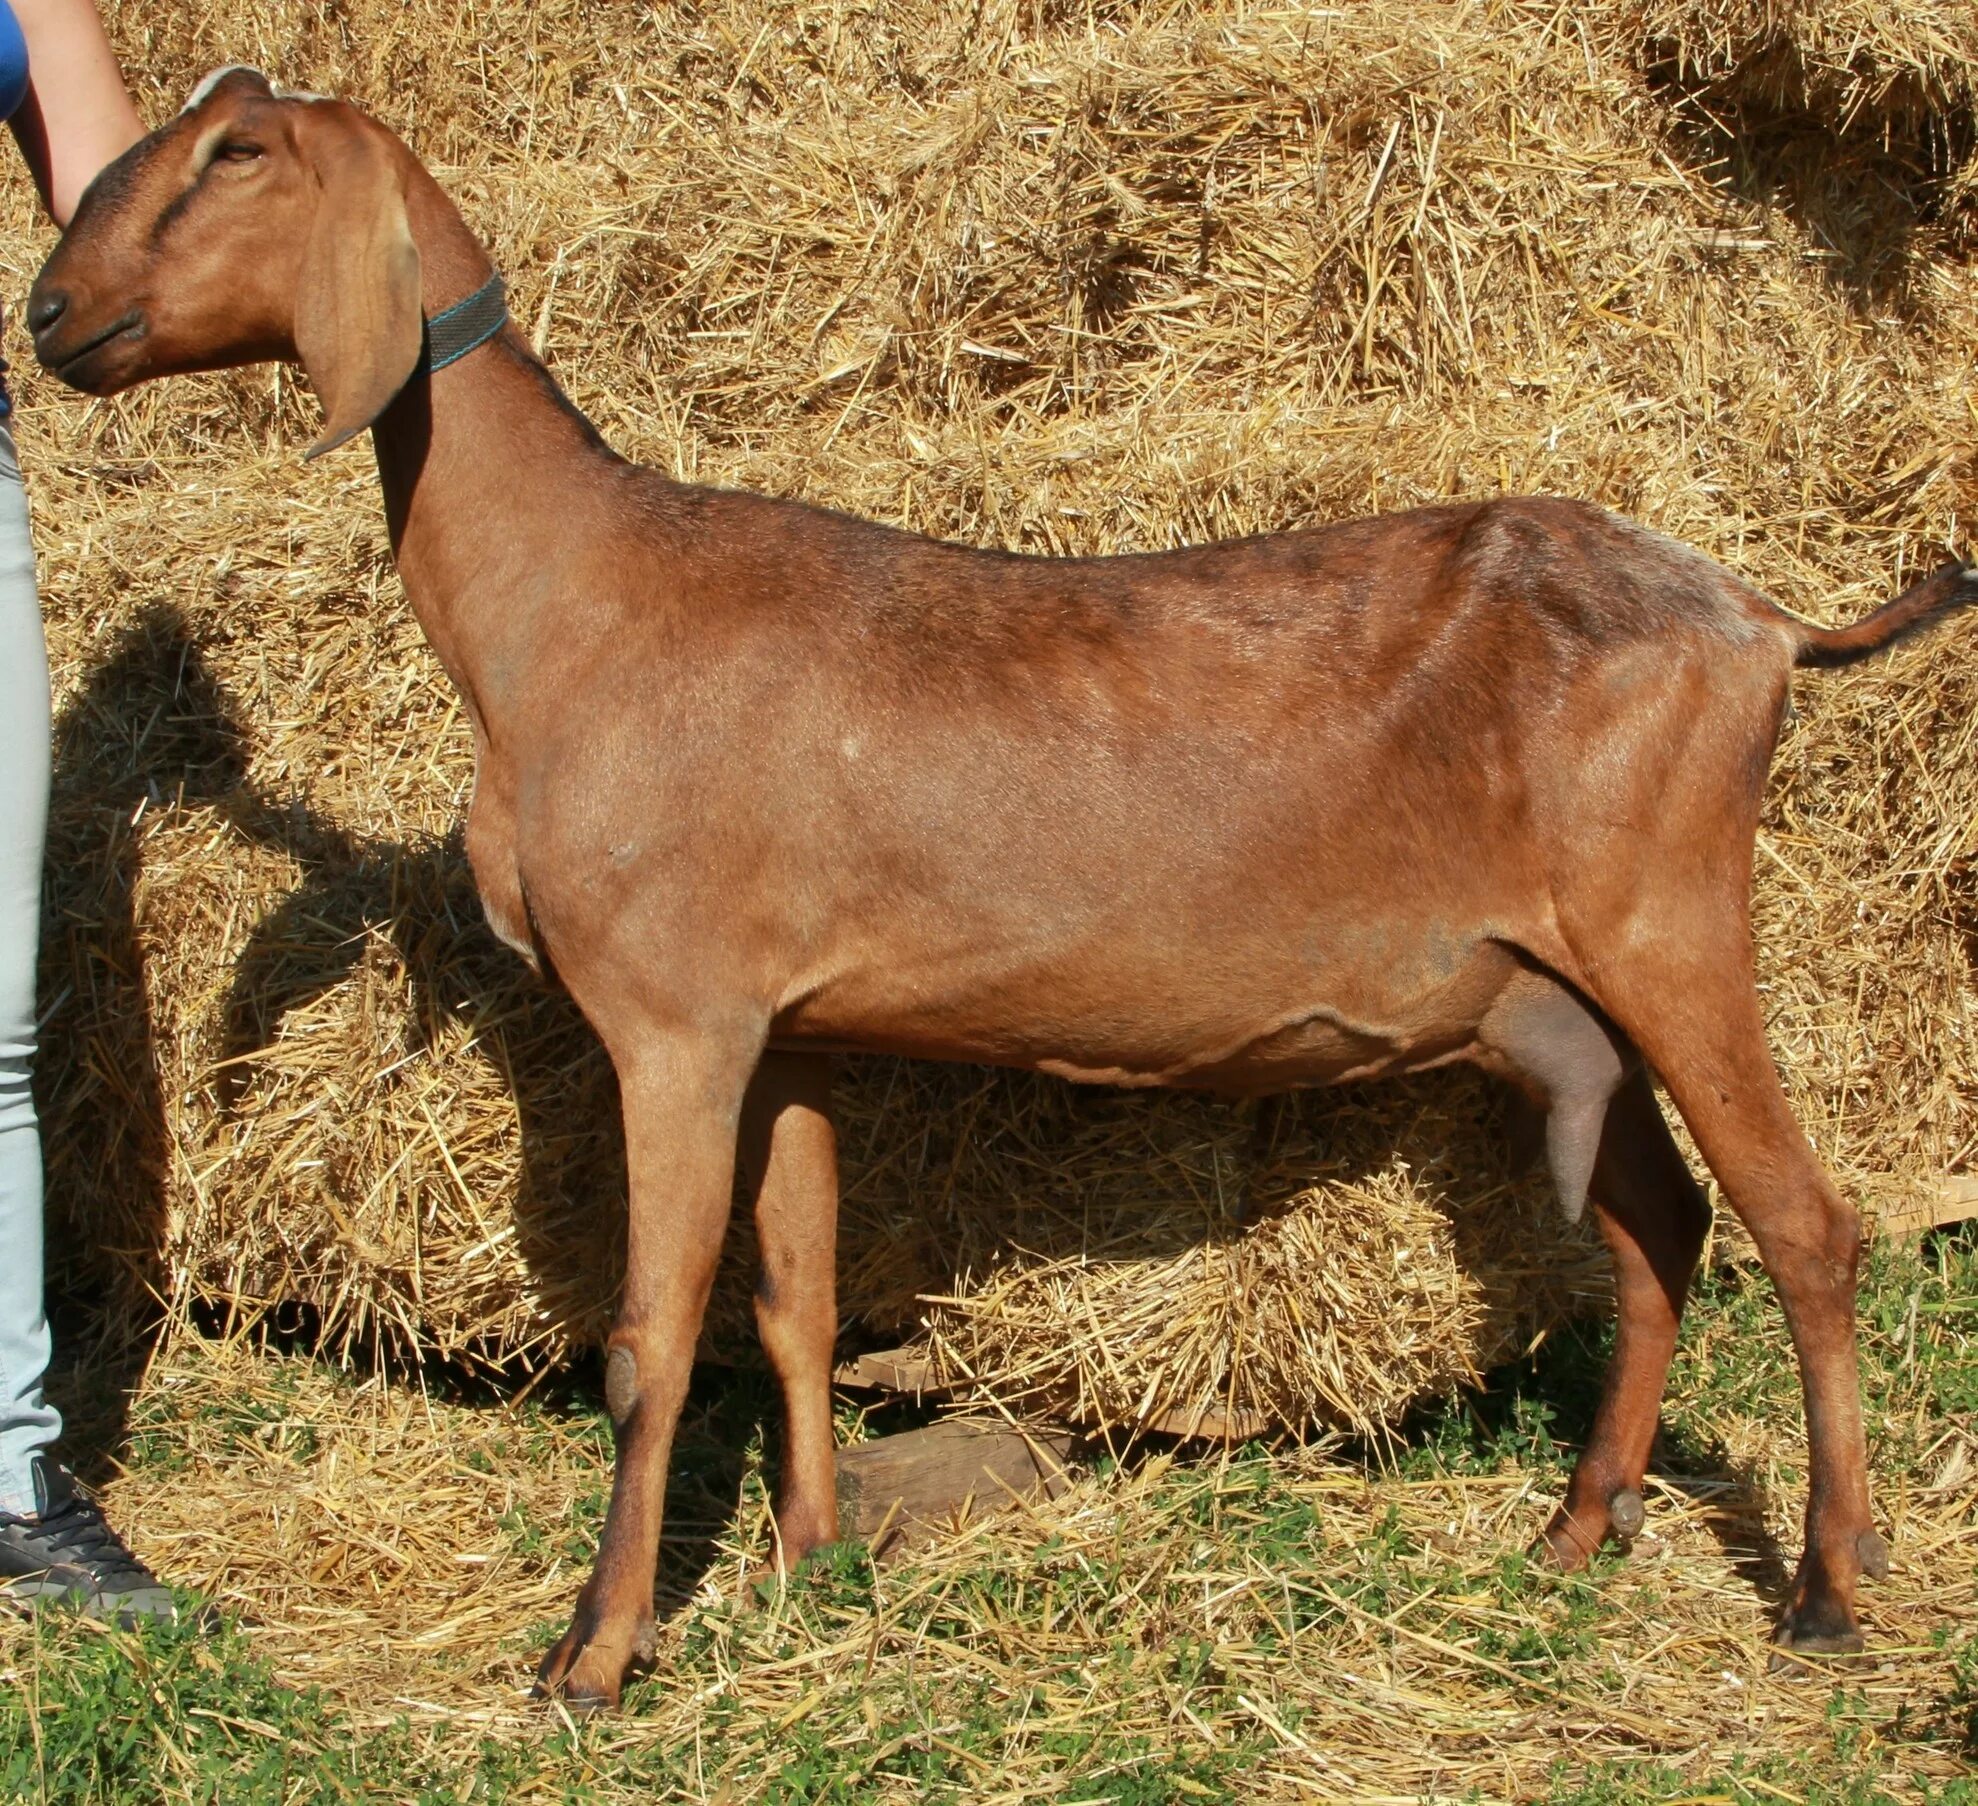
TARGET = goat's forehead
x,y
207,83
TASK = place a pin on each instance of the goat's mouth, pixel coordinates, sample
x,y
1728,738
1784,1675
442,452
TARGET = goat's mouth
x,y
70,362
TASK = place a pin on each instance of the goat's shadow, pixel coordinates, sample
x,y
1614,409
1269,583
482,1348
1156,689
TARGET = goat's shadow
x,y
1868,193
1540,1408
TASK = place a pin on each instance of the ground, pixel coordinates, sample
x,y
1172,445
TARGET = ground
x,y
393,1551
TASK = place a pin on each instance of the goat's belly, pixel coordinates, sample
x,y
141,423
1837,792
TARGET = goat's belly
x,y
1202,1029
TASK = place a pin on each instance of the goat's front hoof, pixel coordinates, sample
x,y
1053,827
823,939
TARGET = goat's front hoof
x,y
586,1669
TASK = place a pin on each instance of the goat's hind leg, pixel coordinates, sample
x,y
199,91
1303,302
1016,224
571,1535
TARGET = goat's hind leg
x,y
1694,1013
790,1159
1653,1217
1605,1136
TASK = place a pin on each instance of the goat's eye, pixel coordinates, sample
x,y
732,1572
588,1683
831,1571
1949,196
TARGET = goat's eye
x,y
237,151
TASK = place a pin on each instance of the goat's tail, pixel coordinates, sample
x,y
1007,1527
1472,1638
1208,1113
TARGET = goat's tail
x,y
1949,587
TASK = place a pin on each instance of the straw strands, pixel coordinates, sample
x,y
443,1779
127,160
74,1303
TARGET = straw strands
x,y
1056,277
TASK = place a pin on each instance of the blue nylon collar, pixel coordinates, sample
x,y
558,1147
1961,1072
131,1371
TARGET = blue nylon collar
x,y
454,331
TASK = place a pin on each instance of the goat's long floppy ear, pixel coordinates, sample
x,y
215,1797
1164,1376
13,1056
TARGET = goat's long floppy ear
x,y
358,328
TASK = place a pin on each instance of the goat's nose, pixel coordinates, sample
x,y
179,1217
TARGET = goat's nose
x,y
45,307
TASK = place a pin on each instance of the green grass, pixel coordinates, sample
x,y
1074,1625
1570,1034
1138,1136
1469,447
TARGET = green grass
x,y
170,1712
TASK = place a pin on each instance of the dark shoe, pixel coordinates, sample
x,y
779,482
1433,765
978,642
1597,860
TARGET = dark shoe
x,y
67,1552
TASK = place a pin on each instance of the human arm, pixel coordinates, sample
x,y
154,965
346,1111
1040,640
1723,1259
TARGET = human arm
x,y
77,115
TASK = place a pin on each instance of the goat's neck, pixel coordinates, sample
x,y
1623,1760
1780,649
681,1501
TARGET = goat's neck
x,y
487,472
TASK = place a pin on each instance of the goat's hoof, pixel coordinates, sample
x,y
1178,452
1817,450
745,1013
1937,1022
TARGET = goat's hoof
x,y
585,1673
582,1702
1789,1652
1626,1512
1872,1547
1814,1626
1563,1545
579,1694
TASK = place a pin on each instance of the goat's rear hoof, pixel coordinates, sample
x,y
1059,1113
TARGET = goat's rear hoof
x,y
585,1673
581,1695
579,1702
1815,1627
1789,1652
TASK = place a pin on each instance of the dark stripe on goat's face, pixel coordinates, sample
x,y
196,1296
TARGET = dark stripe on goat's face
x,y
173,213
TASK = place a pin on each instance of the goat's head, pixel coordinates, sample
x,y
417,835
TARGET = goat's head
x,y
256,225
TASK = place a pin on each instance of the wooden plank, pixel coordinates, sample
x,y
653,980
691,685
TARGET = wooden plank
x,y
903,1488
1211,1423
890,1370
1954,1199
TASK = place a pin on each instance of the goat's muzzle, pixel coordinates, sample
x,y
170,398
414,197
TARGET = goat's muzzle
x,y
83,353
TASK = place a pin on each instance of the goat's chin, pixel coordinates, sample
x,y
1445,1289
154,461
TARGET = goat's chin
x,y
113,361
91,381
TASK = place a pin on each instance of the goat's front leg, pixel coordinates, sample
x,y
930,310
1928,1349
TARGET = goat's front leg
x,y
682,1105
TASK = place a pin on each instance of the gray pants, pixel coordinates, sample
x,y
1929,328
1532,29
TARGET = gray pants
x,y
28,1423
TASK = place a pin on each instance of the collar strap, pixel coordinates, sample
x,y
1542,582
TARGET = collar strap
x,y
457,330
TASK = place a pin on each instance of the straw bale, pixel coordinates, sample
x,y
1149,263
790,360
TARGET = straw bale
x,y
1061,278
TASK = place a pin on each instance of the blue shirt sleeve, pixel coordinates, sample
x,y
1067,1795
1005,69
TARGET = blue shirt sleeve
x,y
13,62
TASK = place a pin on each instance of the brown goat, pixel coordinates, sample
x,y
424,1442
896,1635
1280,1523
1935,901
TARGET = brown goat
x,y
761,782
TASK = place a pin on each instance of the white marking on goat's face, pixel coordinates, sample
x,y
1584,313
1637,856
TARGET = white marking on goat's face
x,y
207,145
849,746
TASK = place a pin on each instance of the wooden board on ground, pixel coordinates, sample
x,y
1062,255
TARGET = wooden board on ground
x,y
901,1488
899,1370
1953,1199
889,1370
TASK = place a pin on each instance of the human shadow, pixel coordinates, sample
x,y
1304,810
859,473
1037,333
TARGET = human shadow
x,y
148,732
151,738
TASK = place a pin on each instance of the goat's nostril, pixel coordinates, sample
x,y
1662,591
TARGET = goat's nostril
x,y
44,309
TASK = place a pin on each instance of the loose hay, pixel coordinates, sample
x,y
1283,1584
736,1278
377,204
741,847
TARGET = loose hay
x,y
1064,279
